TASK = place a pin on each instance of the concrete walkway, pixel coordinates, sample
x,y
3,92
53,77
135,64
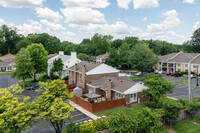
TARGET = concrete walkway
x,y
89,114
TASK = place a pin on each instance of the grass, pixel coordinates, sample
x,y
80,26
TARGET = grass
x,y
31,80
183,82
186,126
5,73
136,77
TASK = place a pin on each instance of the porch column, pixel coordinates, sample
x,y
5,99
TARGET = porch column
x,y
174,67
161,66
167,67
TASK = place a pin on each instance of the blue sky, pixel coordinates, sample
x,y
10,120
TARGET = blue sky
x,y
73,20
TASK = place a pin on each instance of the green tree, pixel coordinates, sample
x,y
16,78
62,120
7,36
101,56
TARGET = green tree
x,y
38,58
158,87
171,108
16,114
24,68
101,44
54,104
84,57
57,66
196,40
113,58
70,48
142,57
149,120
23,44
121,123
116,43
131,41
124,53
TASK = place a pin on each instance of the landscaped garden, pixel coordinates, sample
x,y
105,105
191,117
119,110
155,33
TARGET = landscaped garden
x,y
5,73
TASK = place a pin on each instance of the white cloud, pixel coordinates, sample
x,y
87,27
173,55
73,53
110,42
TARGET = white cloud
x,y
189,1
21,3
175,35
124,3
144,19
86,3
196,26
145,4
52,26
2,22
48,14
81,17
171,21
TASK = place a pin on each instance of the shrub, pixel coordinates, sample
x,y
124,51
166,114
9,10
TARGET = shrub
x,y
42,76
66,78
72,128
197,119
94,126
194,107
52,75
183,72
121,123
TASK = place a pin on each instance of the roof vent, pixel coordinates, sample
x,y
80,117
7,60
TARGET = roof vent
x,y
109,80
121,81
140,82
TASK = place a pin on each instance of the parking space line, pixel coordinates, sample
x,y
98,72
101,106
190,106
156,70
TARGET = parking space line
x,y
78,120
77,115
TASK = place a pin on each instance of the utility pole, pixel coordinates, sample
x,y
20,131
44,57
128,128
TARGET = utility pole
x,y
197,75
189,79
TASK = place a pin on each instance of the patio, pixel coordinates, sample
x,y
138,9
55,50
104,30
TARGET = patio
x,y
94,98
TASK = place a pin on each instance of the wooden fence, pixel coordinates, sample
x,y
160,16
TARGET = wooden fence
x,y
95,107
71,86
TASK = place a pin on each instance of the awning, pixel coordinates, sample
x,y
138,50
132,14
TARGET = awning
x,y
92,95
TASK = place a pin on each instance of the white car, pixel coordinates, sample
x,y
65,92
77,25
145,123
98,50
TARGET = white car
x,y
158,72
139,73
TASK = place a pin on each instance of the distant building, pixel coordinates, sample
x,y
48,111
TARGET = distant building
x,y
102,58
67,60
178,62
6,62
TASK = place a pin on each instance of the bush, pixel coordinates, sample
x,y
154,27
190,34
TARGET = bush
x,y
53,76
94,126
42,76
183,72
194,107
121,123
197,119
66,78
72,128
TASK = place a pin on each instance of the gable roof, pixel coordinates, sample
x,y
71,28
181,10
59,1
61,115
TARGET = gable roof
x,y
103,56
6,57
52,55
102,69
89,66
118,84
62,57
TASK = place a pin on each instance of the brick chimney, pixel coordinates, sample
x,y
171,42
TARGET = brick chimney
x,y
83,78
109,86
75,75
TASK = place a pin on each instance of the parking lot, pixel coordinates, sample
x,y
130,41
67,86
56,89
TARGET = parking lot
x,y
40,127
181,90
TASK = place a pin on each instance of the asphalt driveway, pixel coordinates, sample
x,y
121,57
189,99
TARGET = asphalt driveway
x,y
181,90
7,81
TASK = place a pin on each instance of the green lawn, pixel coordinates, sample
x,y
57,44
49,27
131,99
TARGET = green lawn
x,y
186,126
136,77
5,73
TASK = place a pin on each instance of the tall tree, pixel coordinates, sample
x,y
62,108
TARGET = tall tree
x,y
38,58
69,48
101,44
24,68
142,57
131,41
124,53
158,87
54,104
16,114
113,57
84,57
196,40
116,43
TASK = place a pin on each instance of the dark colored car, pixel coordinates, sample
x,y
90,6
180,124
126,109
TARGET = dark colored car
x,y
33,86
179,74
168,73
173,74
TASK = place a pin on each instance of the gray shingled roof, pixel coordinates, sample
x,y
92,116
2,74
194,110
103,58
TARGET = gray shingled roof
x,y
118,84
183,57
89,66
62,57
165,57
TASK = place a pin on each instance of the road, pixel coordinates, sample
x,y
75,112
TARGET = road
x,y
6,81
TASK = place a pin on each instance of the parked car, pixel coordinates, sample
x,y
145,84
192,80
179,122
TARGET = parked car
x,y
139,73
193,76
179,74
168,73
33,86
173,74
158,72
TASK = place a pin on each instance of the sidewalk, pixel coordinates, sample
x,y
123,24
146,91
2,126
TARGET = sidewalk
x,y
89,114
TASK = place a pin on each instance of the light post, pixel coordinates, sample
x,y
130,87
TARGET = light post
x,y
197,75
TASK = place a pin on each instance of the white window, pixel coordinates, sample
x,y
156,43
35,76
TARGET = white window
x,y
179,65
80,75
66,67
118,95
186,65
70,73
133,97
90,90
195,66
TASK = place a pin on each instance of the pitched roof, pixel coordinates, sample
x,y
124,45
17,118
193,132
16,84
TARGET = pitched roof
x,y
62,57
103,56
183,58
101,69
164,58
6,57
6,62
118,84
52,55
89,66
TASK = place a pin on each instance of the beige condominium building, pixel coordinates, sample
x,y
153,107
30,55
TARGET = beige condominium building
x,y
178,62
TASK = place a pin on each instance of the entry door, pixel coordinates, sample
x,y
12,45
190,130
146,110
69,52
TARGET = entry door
x,y
90,89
